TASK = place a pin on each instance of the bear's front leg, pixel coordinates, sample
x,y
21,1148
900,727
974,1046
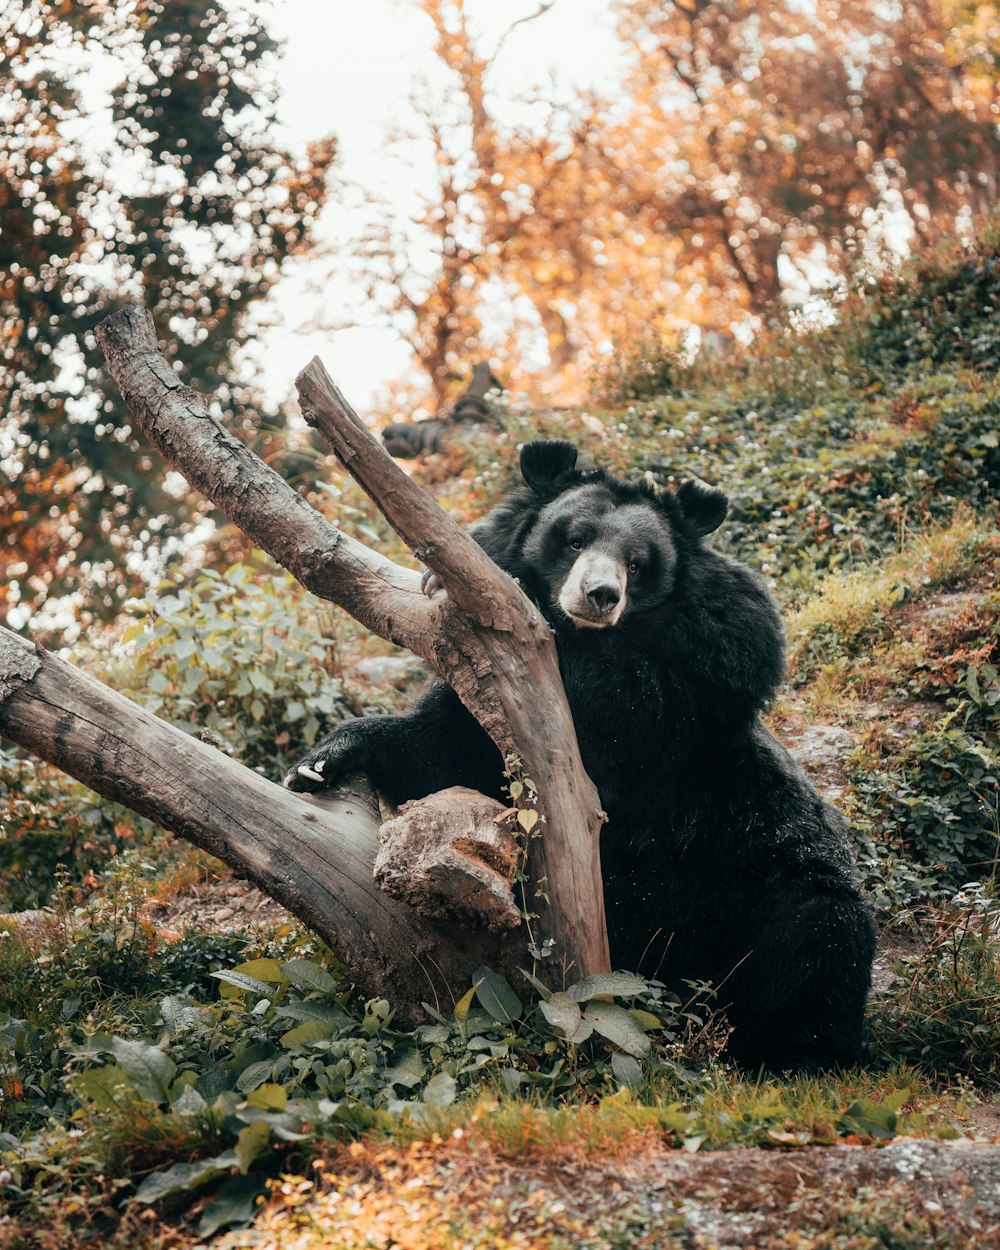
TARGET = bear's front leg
x,y
436,745
351,748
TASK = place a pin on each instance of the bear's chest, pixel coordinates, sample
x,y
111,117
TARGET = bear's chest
x,y
618,700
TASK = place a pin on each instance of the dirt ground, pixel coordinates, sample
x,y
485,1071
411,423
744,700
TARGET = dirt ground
x,y
909,1194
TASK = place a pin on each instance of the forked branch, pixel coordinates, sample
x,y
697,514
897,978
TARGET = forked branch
x,y
484,637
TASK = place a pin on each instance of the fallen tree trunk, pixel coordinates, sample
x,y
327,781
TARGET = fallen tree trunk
x,y
314,856
484,637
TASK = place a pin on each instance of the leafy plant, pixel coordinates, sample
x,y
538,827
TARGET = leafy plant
x,y
943,1011
50,823
937,796
237,656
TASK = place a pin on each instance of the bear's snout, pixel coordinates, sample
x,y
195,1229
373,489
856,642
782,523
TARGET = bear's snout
x,y
593,593
603,595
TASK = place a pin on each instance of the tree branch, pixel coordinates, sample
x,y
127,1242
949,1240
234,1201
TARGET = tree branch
x,y
463,568
484,637
315,857
383,596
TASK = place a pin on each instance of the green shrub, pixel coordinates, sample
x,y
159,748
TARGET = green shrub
x,y
940,306
643,370
936,796
51,823
240,657
942,1013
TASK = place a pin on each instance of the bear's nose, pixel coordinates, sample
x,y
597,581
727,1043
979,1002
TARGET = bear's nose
x,y
603,595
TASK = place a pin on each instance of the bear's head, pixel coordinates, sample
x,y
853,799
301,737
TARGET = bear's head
x,y
603,549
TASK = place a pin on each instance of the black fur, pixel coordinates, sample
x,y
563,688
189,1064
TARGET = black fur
x,y
720,861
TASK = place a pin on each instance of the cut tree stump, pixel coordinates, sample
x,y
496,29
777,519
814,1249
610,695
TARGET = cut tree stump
x,y
452,857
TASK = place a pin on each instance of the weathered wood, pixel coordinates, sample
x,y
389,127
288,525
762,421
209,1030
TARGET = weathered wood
x,y
452,856
383,596
463,568
484,636
497,651
314,856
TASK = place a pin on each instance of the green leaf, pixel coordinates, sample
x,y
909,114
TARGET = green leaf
x,y
496,996
618,1026
674,1119
527,818
146,1066
614,984
562,1012
899,1099
440,1090
133,632
627,1070
308,1031
583,1032
434,1034
870,1119
177,1013
267,970
102,1086
463,1005
183,1177
190,1102
308,976
512,1079
242,982
540,986
235,1203
408,1070
269,1097
251,1143
254,1074
645,1019
328,1013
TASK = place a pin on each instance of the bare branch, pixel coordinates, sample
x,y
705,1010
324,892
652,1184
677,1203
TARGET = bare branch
x,y
484,637
315,857
463,568
383,596
542,9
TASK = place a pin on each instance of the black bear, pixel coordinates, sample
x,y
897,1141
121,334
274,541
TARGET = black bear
x,y
720,861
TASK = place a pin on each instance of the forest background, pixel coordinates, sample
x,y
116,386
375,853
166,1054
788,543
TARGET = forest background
x,y
757,246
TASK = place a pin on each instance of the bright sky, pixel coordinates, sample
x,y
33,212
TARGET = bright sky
x,y
351,67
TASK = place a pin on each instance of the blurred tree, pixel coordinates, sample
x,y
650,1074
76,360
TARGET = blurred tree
x,y
756,149
778,133
550,206
422,271
181,194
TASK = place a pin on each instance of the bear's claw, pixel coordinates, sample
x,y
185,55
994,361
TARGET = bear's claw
x,y
306,776
429,584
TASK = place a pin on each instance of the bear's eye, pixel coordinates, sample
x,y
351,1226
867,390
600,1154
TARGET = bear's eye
x,y
576,544
633,566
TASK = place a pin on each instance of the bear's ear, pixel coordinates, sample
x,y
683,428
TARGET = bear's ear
x,y
545,461
704,507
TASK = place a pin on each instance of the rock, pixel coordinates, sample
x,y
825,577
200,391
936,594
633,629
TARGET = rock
x,y
821,746
27,925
